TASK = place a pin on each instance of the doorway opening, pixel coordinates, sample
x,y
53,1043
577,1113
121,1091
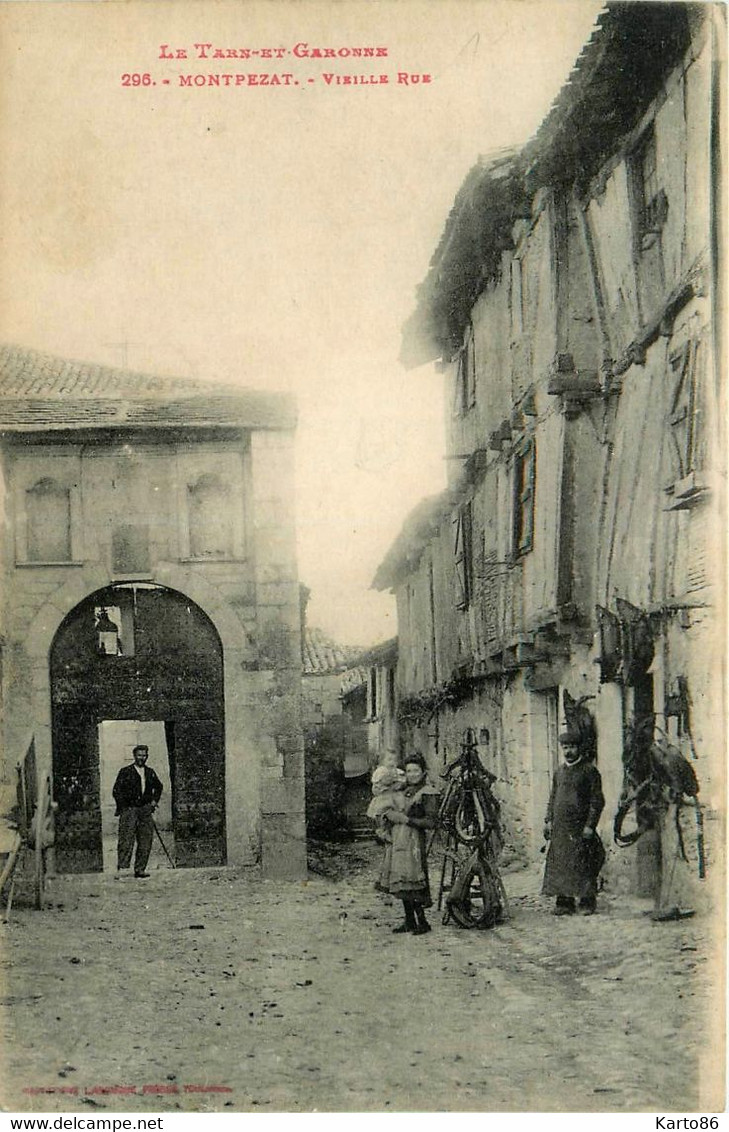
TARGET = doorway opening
x,y
138,663
117,737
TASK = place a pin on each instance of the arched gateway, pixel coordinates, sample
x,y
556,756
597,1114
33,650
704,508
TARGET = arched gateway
x,y
122,492
143,653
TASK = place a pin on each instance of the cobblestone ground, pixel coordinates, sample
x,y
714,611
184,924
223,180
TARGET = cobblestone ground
x,y
214,990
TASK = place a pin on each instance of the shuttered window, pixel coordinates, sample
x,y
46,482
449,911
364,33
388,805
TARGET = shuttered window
x,y
523,506
685,413
650,201
464,393
463,555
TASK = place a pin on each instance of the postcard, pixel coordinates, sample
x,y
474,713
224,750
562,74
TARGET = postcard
x,y
362,434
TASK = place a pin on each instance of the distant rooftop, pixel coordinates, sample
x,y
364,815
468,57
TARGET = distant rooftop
x,y
41,392
323,655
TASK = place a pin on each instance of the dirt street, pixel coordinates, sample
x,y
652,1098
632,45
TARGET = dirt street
x,y
215,990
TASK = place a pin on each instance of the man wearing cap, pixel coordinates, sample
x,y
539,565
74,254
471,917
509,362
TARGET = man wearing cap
x,y
136,792
575,854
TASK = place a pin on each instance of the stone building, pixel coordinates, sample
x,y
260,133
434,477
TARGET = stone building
x,y
378,668
369,702
349,701
324,663
571,303
150,592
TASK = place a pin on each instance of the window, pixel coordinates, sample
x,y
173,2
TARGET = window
x,y
463,555
524,481
209,518
685,409
651,204
48,517
465,390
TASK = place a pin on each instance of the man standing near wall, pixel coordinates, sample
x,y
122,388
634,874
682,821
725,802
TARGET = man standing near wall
x,y
136,792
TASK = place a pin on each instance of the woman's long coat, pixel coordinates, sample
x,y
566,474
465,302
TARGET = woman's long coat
x,y
405,869
575,803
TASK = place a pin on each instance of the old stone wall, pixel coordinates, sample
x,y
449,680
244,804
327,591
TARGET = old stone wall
x,y
200,519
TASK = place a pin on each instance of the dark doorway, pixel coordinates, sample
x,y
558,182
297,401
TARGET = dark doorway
x,y
166,663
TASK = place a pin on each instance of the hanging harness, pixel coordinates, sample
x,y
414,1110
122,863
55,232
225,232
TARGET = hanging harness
x,y
656,775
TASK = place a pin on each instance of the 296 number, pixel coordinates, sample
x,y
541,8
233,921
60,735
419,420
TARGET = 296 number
x,y
136,80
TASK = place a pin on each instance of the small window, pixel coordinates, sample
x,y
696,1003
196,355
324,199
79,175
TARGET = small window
x,y
524,483
210,520
685,409
48,513
463,555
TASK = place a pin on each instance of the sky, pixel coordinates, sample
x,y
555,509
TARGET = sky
x,y
271,235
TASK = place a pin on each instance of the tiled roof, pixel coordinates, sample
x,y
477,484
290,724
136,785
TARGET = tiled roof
x,y
39,391
321,654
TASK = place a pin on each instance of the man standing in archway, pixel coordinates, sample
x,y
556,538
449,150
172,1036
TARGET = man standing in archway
x,y
136,792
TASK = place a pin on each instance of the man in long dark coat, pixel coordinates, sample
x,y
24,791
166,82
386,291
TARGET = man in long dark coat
x,y
136,792
575,854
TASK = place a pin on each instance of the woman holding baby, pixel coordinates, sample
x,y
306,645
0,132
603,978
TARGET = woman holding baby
x,y
405,807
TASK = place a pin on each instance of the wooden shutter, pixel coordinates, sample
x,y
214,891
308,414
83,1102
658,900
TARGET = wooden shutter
x,y
682,408
463,556
469,366
525,466
530,476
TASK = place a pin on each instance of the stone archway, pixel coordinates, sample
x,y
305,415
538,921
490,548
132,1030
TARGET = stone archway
x,y
167,668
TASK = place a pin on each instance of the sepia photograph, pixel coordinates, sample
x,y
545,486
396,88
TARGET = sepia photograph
x,y
362,558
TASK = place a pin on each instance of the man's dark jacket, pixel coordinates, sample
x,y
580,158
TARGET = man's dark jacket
x,y
128,788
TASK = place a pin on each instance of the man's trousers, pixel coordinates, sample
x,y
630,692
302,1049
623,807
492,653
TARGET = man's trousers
x,y
135,825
